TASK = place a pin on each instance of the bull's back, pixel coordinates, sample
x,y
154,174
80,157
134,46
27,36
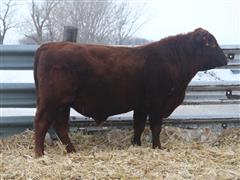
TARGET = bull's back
x,y
90,78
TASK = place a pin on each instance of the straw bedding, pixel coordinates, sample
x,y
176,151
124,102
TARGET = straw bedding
x,y
186,154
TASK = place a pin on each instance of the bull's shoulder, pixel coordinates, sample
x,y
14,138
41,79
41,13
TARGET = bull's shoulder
x,y
51,46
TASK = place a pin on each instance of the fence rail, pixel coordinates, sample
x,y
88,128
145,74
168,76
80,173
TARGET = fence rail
x,y
22,95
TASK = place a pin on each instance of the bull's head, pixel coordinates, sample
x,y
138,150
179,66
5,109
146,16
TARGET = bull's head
x,y
208,52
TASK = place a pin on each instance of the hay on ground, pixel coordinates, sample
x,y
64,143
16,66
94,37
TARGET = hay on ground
x,y
186,154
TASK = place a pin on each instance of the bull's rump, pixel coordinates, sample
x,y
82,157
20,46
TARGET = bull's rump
x,y
95,80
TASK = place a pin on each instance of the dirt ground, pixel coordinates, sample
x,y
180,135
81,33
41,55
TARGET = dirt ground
x,y
186,154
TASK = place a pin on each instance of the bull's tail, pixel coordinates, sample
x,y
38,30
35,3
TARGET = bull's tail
x,y
35,67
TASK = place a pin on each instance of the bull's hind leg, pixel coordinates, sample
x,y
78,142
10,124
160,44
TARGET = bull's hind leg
x,y
61,127
139,121
43,121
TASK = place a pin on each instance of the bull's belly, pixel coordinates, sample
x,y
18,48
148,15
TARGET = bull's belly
x,y
100,109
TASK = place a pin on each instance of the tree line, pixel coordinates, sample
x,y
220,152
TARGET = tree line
x,y
98,21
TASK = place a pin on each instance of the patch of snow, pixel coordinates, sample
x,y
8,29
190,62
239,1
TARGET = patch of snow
x,y
217,75
11,76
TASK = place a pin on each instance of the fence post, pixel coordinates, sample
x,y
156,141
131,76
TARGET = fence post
x,y
70,33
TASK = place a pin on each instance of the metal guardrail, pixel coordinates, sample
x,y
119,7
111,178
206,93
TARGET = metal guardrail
x,y
22,95
233,54
21,57
17,95
17,57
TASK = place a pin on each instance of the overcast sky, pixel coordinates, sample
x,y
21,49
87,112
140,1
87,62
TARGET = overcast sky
x,y
170,17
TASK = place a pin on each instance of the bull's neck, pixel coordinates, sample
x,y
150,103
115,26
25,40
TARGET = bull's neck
x,y
182,57
186,60
178,53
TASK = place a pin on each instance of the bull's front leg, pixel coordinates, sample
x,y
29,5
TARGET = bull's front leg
x,y
155,121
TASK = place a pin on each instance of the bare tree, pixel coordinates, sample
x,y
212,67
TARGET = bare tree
x,y
27,40
39,27
105,22
6,22
128,19
92,18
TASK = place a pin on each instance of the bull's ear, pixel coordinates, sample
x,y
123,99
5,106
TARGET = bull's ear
x,y
199,36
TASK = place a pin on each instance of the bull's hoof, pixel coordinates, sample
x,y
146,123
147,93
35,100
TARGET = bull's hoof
x,y
135,141
38,154
157,147
70,148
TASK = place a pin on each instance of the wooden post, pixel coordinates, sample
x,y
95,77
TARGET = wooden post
x,y
70,34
